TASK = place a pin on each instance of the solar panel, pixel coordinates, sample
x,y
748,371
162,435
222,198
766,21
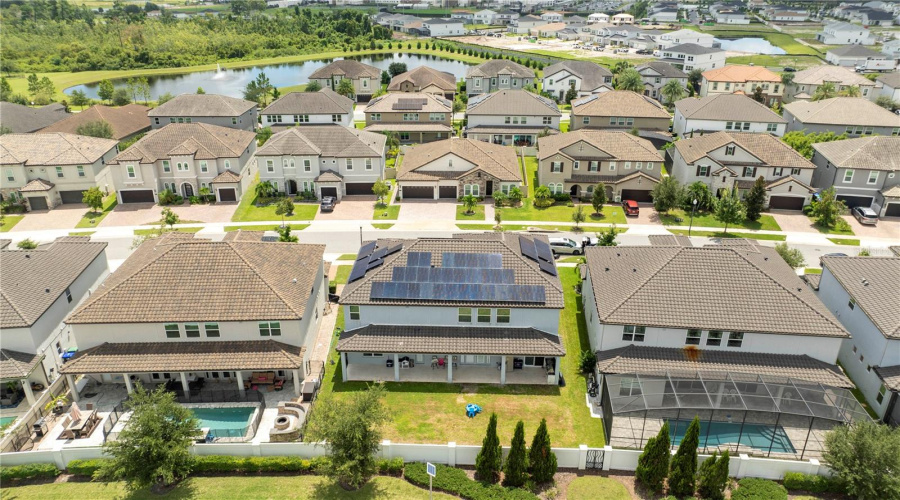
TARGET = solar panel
x,y
488,260
454,275
409,104
543,250
418,259
548,267
394,249
458,292
358,271
373,264
366,250
527,247
378,254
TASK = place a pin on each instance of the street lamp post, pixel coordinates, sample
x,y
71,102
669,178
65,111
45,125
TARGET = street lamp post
x,y
693,208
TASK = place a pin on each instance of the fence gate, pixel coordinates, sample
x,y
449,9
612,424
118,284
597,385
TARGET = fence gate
x,y
595,458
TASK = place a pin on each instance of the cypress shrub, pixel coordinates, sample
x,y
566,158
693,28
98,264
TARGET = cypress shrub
x,y
515,471
542,460
712,477
487,463
682,477
653,464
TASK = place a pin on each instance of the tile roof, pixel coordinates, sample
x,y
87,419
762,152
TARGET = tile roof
x,y
891,192
526,270
856,51
23,119
52,149
125,121
658,360
890,375
618,145
619,103
408,102
842,111
226,177
323,102
786,179
32,280
203,105
828,73
450,339
37,185
408,127
874,283
692,49
329,176
728,107
506,102
891,79
812,279
592,74
865,153
493,159
762,293
670,240
494,67
740,73
769,149
664,69
347,68
424,76
200,139
324,140
17,365
149,357
249,281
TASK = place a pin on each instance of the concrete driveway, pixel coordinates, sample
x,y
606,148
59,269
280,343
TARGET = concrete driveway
x,y
350,208
433,210
138,214
886,228
64,216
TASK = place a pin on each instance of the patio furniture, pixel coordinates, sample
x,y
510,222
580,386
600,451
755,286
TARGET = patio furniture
x,y
442,362
279,384
260,378
434,362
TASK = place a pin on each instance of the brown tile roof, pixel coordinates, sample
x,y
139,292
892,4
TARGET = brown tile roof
x,y
37,185
32,280
52,149
511,129
200,139
495,67
409,102
762,294
248,281
727,107
203,105
347,68
149,357
740,73
842,111
769,149
670,240
789,178
507,102
125,121
865,153
619,103
422,77
324,140
244,235
23,119
890,375
17,365
874,283
813,280
618,145
329,176
450,339
498,161
409,127
323,102
891,192
663,69
226,177
658,360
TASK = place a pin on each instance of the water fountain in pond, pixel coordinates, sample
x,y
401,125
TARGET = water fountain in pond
x,y
220,73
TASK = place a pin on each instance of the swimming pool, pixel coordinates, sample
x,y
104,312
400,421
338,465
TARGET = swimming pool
x,y
225,421
6,421
724,433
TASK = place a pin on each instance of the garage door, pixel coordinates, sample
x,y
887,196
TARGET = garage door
x,y
786,203
892,210
641,195
420,192
447,192
227,194
37,203
856,201
72,196
359,187
137,196
329,191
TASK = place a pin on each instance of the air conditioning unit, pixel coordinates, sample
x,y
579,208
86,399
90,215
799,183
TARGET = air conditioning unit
x,y
618,198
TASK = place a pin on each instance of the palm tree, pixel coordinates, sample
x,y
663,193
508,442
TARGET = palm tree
x,y
851,91
470,201
620,67
787,79
630,79
672,91
825,91
264,189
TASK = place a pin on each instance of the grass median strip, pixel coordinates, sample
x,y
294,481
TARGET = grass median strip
x,y
385,212
92,219
720,234
706,219
477,213
154,231
262,227
9,221
845,241
382,226
81,233
542,227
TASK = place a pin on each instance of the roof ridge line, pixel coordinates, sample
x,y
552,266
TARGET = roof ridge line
x,y
13,305
642,285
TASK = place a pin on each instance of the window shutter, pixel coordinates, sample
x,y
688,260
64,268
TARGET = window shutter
x,y
708,170
698,171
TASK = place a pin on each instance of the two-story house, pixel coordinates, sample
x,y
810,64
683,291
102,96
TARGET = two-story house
x,y
656,74
619,109
213,109
804,84
322,159
125,122
584,76
863,171
40,287
366,79
678,37
505,17
577,163
498,74
184,158
725,161
736,78
598,17
552,17
525,24
890,85
622,18
53,168
725,112
444,27
414,117
21,119
211,331
859,58
308,108
690,56
485,16
862,293
468,309
490,117
845,34
458,167
427,80
854,116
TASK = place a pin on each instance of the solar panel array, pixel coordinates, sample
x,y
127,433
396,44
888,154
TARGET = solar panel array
x,y
418,259
488,260
369,258
471,275
458,292
409,104
540,252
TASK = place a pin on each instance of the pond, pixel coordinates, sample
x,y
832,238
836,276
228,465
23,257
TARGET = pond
x,y
752,45
231,82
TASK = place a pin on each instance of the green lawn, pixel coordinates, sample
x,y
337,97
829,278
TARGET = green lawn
x,y
612,214
150,232
229,487
730,234
844,241
382,226
529,172
548,227
294,227
347,256
859,395
9,221
812,270
795,61
706,219
81,233
92,219
846,231
435,412
389,212
343,273
247,211
595,487
477,213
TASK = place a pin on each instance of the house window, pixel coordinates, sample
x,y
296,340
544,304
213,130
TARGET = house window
x,y
304,118
404,136
191,330
507,120
593,166
9,175
873,178
556,166
502,315
627,165
465,314
612,120
848,176
852,304
68,296
612,166
271,328
80,170
354,313
749,171
714,337
575,165
270,166
182,167
771,127
638,165
881,392
130,170
373,354
337,118
59,172
349,163
306,166
729,150
212,329
484,315
375,117
437,117
777,172
795,171
586,120
204,167
410,117
693,337
649,166
735,339
172,331
633,333
368,164
234,120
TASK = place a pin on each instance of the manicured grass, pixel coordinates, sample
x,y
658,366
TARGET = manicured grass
x,y
707,219
844,241
812,270
109,203
229,487
561,213
81,233
292,88
530,173
382,226
572,259
347,256
563,127
546,227
294,227
9,221
730,234
247,211
477,213
359,125
150,232
859,395
343,273
594,487
847,231
386,212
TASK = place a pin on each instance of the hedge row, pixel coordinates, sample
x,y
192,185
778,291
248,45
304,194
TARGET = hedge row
x,y
211,464
27,471
456,482
813,483
751,488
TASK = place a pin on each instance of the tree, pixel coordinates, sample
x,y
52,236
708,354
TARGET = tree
x,y
866,456
153,449
620,66
758,95
284,234
787,79
665,194
515,195
345,88
653,464
827,209
608,238
385,78
712,477
284,207
498,218
630,79
258,90
313,86
683,474
825,91
697,190
571,94
5,89
755,199
515,470
542,193
264,189
541,459
578,216
120,97
97,128
169,217
887,103
380,189
164,98
397,68
263,135
729,209
598,198
802,142
93,198
487,463
694,78
105,90
133,88
200,91
469,202
672,91
790,255
27,244
205,194
34,85
79,98
166,197
851,91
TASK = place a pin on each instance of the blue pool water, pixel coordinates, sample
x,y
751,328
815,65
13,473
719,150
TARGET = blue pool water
x,y
224,422
753,435
4,421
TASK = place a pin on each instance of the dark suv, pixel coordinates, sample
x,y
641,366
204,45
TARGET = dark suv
x,y
327,204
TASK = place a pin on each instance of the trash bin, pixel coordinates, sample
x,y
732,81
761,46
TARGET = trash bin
x,y
40,427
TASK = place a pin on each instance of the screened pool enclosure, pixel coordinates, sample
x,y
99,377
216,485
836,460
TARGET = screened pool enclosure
x,y
759,415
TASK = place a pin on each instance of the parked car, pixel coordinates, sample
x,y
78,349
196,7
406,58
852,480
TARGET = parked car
x,y
644,52
865,215
831,255
566,246
327,204
598,48
788,69
631,207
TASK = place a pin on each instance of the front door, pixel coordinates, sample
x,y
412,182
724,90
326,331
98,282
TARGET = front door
x,y
187,190
489,188
291,187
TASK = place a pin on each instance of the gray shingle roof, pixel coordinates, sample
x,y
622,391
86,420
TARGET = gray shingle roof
x,y
450,339
664,69
22,119
203,105
495,67
692,49
619,103
761,293
842,111
323,102
874,283
865,153
496,160
200,139
324,140
17,365
828,73
727,107
670,240
769,149
508,102
348,68
592,74
856,51
891,79
52,149
618,145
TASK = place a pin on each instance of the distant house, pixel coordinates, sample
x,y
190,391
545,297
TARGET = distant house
x,y
725,112
845,34
484,17
552,17
585,77
619,109
465,15
309,108
414,117
525,24
21,119
497,74
505,17
689,56
891,49
732,17
672,38
890,86
804,84
213,109
622,18
864,172
734,78
665,15
877,17
511,117
853,116
656,74
857,56
366,79
444,27
425,79
598,17
126,121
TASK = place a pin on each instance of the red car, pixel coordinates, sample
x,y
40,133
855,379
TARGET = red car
x,y
631,207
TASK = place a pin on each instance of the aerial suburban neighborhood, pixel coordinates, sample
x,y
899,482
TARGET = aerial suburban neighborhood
x,y
477,249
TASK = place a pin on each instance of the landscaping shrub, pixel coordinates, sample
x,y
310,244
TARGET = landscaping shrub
x,y
206,464
587,361
562,197
27,471
393,467
332,287
86,467
456,482
544,203
813,483
751,488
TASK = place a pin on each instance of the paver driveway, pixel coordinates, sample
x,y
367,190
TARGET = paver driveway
x,y
793,221
137,214
350,208
434,210
62,217
886,228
